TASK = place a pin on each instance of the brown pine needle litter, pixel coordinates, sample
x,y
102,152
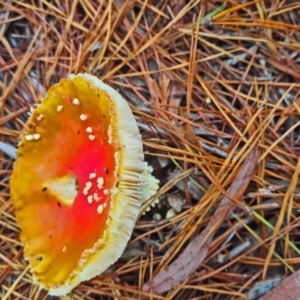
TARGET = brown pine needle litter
x,y
215,89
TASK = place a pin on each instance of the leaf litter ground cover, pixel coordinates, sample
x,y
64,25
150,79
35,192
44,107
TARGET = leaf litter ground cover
x,y
214,87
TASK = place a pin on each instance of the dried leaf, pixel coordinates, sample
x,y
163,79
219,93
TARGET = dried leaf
x,y
288,289
175,202
262,287
197,250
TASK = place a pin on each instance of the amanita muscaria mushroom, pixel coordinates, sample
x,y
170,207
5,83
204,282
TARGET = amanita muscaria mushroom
x,y
78,182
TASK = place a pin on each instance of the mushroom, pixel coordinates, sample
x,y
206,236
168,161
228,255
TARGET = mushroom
x,y
78,182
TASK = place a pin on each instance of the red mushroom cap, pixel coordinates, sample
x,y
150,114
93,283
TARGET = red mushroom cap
x,y
78,182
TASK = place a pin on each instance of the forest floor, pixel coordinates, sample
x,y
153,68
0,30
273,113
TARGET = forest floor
x,y
215,89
